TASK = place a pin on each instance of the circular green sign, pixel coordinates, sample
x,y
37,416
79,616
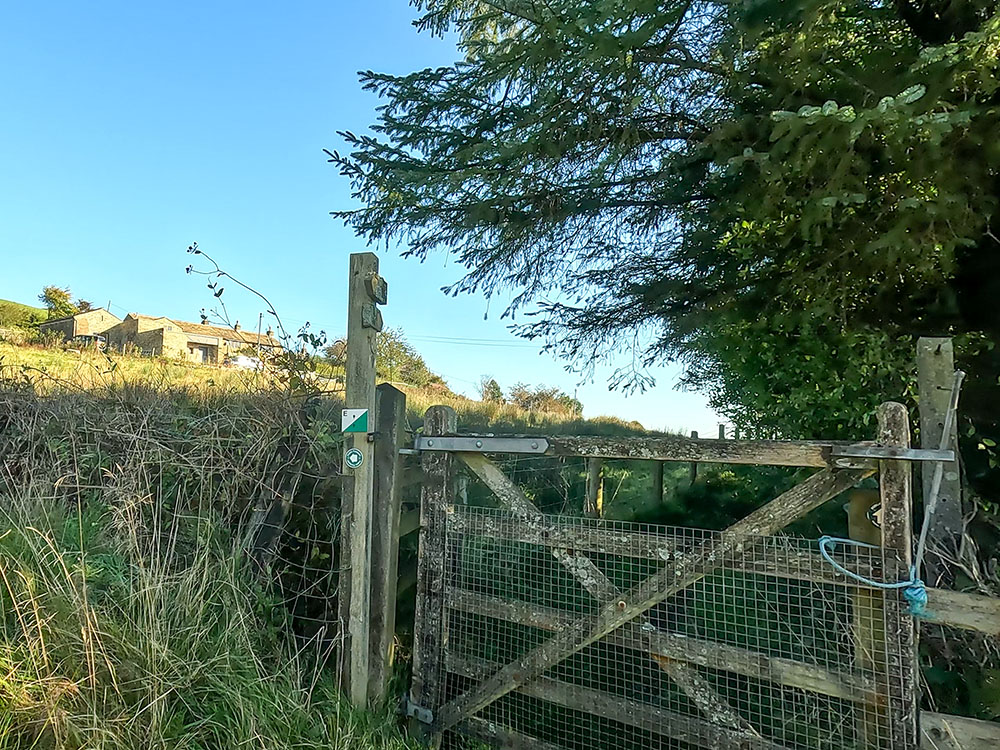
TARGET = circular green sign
x,y
354,458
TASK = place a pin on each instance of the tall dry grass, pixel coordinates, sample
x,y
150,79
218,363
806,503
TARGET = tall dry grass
x,y
130,613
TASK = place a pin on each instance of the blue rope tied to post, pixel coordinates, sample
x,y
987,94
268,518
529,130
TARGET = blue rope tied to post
x,y
914,590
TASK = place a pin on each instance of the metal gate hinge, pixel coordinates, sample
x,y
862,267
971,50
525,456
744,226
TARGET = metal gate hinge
x,y
413,711
484,444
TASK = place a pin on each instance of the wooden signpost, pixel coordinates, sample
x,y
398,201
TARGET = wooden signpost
x,y
364,320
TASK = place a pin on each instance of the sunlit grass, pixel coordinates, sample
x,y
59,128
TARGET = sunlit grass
x,y
130,614
51,370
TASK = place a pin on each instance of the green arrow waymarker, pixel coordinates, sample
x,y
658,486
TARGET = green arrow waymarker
x,y
354,458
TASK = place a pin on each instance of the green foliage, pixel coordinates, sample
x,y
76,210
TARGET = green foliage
x,y
58,301
782,196
490,390
545,399
397,360
16,314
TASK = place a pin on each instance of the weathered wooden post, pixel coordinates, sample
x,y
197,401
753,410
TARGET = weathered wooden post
x,y
868,617
430,618
896,500
364,321
658,483
390,436
891,507
694,464
935,378
593,504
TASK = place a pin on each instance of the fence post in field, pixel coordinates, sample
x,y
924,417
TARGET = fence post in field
x,y
694,464
430,621
657,483
935,377
390,436
593,502
364,321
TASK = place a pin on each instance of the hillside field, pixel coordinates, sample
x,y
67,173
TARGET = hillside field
x,y
17,314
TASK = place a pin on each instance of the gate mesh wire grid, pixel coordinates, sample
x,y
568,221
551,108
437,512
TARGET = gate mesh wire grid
x,y
772,650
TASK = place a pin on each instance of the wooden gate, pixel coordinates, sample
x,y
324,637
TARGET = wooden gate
x,y
553,632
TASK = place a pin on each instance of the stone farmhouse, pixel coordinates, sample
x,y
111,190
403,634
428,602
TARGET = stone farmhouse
x,y
90,323
164,337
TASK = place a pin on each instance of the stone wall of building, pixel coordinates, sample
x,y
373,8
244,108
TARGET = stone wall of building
x,y
121,335
66,326
94,322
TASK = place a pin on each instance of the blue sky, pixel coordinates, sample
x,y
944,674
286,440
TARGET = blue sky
x,y
129,130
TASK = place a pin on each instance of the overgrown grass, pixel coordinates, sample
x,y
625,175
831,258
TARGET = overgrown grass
x,y
130,614
53,370
50,370
135,610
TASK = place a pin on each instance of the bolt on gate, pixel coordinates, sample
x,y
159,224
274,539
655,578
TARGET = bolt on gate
x,y
545,631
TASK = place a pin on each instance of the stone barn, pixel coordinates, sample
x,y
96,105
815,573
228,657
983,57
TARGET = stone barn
x,y
89,323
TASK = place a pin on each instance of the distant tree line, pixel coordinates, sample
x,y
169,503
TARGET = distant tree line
x,y
530,398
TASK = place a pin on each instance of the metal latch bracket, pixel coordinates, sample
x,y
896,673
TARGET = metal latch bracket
x,y
413,711
890,453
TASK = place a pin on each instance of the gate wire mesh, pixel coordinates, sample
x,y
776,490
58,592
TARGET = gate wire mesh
x,y
772,650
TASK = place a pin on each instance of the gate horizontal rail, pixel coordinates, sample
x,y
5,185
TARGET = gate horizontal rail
x,y
802,453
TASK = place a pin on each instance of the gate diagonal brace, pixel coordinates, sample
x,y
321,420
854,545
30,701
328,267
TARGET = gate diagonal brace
x,y
678,575
604,591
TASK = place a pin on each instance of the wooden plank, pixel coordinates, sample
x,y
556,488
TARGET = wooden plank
x,y
867,613
593,502
662,721
430,623
503,737
791,562
896,498
949,608
603,590
965,611
705,450
852,686
358,489
674,577
935,377
390,428
409,522
947,732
